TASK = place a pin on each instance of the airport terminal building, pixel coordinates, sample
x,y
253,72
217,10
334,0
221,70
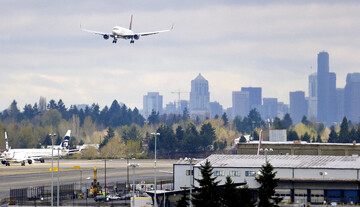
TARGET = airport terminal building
x,y
302,178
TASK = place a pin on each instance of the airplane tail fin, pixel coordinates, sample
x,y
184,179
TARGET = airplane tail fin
x,y
65,142
6,142
131,22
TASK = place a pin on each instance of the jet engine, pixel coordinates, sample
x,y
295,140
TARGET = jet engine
x,y
30,162
136,37
106,36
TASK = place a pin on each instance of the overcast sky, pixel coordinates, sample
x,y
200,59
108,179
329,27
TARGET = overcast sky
x,y
233,44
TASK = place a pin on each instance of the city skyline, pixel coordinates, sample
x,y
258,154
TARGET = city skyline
x,y
233,44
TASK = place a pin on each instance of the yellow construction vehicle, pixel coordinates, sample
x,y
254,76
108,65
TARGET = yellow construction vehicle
x,y
95,186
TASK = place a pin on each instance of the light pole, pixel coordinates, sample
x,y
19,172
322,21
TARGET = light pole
x,y
134,165
266,150
191,179
58,183
52,168
155,201
105,178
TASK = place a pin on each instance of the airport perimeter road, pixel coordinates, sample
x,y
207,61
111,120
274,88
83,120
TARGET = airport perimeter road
x,y
37,174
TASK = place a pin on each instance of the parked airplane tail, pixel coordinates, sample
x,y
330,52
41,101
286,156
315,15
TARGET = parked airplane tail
x,y
65,142
6,142
131,22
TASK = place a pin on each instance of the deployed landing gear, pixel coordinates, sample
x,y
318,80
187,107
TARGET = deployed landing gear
x,y
114,41
42,160
7,164
132,41
22,163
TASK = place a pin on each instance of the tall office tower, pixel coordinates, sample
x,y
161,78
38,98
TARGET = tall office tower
x,y
326,91
184,104
312,101
152,101
216,109
340,100
282,109
199,98
240,103
254,96
298,107
270,106
170,108
352,97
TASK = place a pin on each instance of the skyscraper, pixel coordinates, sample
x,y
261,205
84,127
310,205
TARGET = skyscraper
x,y
298,106
199,98
254,96
269,108
326,91
352,97
340,100
312,106
152,101
240,103
216,109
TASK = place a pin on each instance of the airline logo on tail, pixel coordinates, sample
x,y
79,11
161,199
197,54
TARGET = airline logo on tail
x,y
65,142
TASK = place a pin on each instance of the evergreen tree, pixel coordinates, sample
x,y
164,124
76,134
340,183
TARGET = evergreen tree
x,y
286,122
306,137
186,114
110,134
233,197
344,131
242,139
277,123
184,200
207,194
154,117
292,135
268,183
304,120
207,135
333,137
225,119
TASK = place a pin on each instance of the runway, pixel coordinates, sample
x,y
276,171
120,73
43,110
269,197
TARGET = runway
x,y
38,174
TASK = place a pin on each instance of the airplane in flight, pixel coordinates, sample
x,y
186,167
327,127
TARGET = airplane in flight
x,y
124,33
31,155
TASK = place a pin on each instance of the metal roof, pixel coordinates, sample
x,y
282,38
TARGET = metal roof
x,y
284,161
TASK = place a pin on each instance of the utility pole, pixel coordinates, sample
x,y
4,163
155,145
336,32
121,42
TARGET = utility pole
x,y
155,201
52,168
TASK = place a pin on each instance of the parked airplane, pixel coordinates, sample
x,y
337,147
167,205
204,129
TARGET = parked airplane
x,y
31,155
123,33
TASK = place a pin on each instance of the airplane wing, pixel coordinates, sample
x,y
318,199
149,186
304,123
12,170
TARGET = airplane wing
x,y
96,32
154,32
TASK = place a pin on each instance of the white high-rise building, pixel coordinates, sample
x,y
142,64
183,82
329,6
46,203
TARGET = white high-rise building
x,y
152,101
313,98
199,98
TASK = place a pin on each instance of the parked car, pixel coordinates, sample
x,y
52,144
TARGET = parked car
x,y
100,198
113,197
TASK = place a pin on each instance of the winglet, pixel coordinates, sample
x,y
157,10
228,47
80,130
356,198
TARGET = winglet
x,y
131,22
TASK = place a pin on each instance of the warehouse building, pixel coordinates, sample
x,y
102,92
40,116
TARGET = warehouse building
x,y
302,178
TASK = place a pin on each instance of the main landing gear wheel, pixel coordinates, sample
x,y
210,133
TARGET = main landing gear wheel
x,y
132,41
7,164
114,41
23,163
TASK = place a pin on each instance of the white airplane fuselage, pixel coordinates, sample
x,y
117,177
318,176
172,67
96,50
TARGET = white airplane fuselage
x,y
121,32
21,154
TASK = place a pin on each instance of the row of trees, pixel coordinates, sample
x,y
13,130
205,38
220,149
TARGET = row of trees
x,y
209,193
114,116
